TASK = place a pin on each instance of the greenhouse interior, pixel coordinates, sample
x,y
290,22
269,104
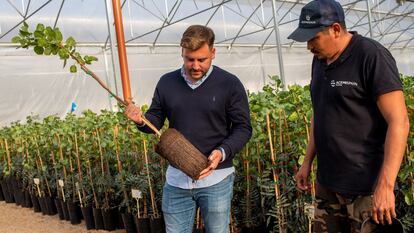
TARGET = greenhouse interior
x,y
68,152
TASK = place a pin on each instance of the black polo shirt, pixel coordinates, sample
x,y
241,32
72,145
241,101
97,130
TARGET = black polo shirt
x,y
349,129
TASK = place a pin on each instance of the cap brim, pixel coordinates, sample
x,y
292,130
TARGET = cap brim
x,y
304,34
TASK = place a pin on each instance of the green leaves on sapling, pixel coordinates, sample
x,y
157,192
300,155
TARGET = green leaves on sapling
x,y
46,40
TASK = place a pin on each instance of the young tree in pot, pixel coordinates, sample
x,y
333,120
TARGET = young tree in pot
x,y
1,180
34,189
43,153
14,150
138,189
246,201
40,181
55,167
97,166
88,151
17,157
296,113
127,159
28,164
137,183
3,163
156,220
119,138
106,186
52,133
18,176
30,170
27,178
46,179
6,165
69,126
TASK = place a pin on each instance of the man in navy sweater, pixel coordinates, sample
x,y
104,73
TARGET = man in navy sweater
x,y
209,107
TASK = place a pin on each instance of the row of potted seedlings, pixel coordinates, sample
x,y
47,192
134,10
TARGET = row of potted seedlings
x,y
80,168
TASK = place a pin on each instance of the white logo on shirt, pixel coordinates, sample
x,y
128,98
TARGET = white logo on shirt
x,y
343,83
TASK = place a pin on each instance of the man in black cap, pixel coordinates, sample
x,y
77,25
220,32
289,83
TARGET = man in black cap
x,y
359,123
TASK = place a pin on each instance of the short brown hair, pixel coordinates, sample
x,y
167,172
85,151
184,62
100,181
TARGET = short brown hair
x,y
196,36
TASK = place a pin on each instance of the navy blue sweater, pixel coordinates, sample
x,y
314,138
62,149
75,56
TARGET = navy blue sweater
x,y
215,114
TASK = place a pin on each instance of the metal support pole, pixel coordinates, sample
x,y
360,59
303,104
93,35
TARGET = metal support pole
x,y
262,66
112,39
279,46
123,62
369,18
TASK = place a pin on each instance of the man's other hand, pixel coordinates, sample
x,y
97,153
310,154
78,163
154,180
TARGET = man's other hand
x,y
302,177
214,158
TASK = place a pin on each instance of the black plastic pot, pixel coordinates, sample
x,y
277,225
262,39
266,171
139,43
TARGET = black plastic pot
x,y
247,230
119,222
79,211
98,219
15,189
128,220
65,210
18,193
9,183
50,206
59,209
36,204
109,219
19,197
6,191
73,213
260,228
42,203
27,200
1,194
87,214
142,225
369,226
157,225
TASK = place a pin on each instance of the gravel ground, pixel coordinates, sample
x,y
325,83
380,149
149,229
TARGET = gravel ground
x,y
16,219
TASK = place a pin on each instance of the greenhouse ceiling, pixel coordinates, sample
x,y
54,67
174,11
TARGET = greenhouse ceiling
x,y
236,22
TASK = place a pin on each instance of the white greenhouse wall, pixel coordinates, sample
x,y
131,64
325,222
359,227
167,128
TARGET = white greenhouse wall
x,y
39,86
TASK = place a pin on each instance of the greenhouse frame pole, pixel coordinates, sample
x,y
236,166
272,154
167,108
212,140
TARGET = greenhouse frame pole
x,y
369,18
279,46
107,76
123,62
262,65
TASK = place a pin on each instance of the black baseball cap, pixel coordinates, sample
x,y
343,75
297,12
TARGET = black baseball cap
x,y
316,15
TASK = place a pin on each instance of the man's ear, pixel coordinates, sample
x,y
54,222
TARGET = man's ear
x,y
337,29
213,53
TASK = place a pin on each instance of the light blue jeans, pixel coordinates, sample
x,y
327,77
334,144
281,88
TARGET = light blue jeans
x,y
179,207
